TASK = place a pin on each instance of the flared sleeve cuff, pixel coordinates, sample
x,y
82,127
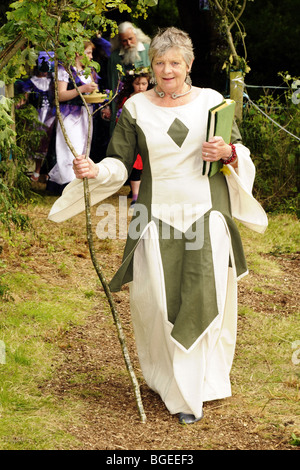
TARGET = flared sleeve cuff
x,y
244,206
112,175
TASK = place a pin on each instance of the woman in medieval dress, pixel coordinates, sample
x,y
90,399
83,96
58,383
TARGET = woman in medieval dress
x,y
183,265
75,119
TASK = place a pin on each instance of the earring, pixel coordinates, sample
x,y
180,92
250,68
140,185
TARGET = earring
x,y
188,79
153,80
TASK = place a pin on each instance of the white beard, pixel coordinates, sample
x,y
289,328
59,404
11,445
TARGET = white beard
x,y
130,55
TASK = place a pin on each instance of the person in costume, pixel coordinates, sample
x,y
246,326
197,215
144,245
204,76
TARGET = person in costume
x,y
101,118
75,119
183,255
136,81
39,91
129,50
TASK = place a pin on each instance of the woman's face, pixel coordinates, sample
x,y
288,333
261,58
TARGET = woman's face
x,y
140,84
170,70
89,52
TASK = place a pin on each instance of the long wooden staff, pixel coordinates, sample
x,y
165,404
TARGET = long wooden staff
x,y
97,267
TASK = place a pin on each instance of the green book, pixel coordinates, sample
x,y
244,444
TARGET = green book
x,y
219,123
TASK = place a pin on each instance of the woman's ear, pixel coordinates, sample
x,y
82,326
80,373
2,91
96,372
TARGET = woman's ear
x,y
190,67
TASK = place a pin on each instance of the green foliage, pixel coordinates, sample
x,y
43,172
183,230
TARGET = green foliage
x,y
9,211
275,152
7,133
14,185
232,34
29,131
59,26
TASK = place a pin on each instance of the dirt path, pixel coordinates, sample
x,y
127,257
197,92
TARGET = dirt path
x,y
110,420
90,374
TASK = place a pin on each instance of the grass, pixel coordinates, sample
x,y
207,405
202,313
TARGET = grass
x,y
266,370
281,237
272,375
46,289
37,309
33,333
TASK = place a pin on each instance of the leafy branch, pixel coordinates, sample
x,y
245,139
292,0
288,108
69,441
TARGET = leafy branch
x,y
62,26
232,9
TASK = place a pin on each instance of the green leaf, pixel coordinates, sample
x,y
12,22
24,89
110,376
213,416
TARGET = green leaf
x,y
295,440
120,69
151,3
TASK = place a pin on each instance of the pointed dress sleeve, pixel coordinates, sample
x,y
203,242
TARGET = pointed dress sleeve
x,y
113,172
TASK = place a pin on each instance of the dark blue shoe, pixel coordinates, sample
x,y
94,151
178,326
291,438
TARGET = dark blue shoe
x,y
185,418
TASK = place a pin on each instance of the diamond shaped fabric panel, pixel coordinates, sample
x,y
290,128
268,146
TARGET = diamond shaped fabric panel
x,y
178,132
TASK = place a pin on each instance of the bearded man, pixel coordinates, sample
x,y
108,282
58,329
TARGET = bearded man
x,y
130,50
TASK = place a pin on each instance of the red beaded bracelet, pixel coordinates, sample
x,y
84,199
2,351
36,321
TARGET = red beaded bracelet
x,y
232,157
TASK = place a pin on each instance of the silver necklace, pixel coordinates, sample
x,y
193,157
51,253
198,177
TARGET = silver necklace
x,y
161,94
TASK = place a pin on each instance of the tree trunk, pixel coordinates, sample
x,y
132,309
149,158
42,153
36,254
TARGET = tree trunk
x,y
11,50
237,91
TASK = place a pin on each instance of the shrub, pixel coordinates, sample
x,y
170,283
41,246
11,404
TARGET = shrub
x,y
275,152
15,186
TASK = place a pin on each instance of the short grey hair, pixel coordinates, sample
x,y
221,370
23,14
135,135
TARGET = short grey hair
x,y
171,37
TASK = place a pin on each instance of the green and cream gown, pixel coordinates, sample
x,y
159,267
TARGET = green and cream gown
x,y
183,254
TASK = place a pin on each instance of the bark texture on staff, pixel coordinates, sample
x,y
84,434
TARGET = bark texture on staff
x,y
112,305
96,265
